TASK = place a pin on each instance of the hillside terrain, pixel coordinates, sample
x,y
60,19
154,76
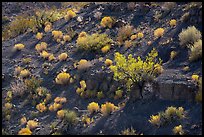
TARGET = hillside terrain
x,y
102,68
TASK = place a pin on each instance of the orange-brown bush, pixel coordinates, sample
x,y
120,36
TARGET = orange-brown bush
x,y
159,32
124,33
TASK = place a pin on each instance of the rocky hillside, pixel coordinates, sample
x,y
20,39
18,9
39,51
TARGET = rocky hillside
x,y
105,68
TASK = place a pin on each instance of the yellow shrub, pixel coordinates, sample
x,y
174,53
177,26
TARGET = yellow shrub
x,y
17,70
140,35
159,32
186,68
60,100
128,43
158,69
82,34
55,107
51,57
155,119
195,77
70,14
173,54
23,120
8,105
83,84
178,130
31,124
107,22
57,34
83,64
86,120
41,107
93,107
47,28
66,38
24,73
44,54
62,56
40,47
60,114
25,131
108,62
107,108
133,37
19,46
196,51
105,49
39,36
62,78
172,22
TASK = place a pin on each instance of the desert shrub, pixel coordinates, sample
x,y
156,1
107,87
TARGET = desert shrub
x,y
60,114
18,88
39,36
173,54
118,94
97,15
196,51
17,70
169,5
107,22
83,64
57,34
140,35
62,78
124,33
70,14
108,108
45,54
93,107
66,38
32,124
81,90
41,46
133,71
48,27
51,57
172,22
32,84
41,107
93,42
131,6
23,120
128,43
26,60
19,46
62,56
100,95
133,37
198,96
159,32
82,34
185,17
105,49
60,100
41,91
195,77
68,116
178,130
108,62
189,36
87,120
170,114
24,73
129,131
25,131
55,107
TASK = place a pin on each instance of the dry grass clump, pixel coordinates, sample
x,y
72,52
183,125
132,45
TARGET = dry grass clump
x,y
62,78
159,32
93,42
189,36
41,46
18,88
128,43
62,56
39,35
19,46
93,107
198,96
83,64
196,51
124,33
107,22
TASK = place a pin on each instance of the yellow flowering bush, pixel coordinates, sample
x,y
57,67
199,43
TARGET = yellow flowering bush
x,y
155,119
66,38
93,107
60,100
19,46
55,107
82,34
195,77
17,71
40,47
70,14
39,35
41,107
173,54
51,57
159,32
105,49
60,114
80,91
47,28
172,22
128,43
83,64
31,124
57,34
132,71
45,54
8,105
25,131
107,22
23,120
108,62
62,78
140,35
178,130
133,37
62,56
108,108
